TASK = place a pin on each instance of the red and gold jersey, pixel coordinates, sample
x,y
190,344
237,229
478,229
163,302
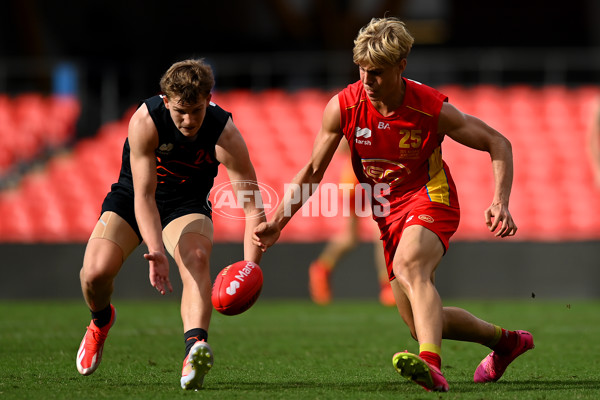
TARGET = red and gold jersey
x,y
399,156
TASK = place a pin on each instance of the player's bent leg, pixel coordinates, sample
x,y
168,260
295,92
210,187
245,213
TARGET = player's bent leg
x,y
415,261
494,365
101,264
196,306
404,308
192,257
459,324
386,294
111,241
189,240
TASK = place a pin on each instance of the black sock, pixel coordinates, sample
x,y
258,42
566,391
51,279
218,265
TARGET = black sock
x,y
192,336
102,317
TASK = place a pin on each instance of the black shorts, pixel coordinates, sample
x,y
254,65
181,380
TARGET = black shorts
x,y
120,201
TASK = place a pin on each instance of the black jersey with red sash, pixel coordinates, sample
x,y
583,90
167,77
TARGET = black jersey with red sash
x,y
184,167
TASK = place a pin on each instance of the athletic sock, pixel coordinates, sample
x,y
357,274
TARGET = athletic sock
x,y
431,353
192,336
102,318
507,341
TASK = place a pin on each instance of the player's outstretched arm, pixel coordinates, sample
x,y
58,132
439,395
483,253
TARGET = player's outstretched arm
x,y
305,182
232,152
143,140
473,132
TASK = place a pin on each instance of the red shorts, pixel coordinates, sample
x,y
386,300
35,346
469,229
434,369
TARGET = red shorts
x,y
438,218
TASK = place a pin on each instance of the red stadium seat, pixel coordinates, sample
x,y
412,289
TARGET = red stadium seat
x,y
552,196
42,122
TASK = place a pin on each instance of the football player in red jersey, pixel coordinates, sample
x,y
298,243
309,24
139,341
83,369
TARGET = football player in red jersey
x,y
395,127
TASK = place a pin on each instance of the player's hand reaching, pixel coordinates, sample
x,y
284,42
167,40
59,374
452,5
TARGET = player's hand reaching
x,y
265,235
499,220
159,271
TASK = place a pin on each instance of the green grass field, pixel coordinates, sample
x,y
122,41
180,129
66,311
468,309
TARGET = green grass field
x,y
290,350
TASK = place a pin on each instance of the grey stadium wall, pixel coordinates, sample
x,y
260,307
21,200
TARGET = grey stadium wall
x,y
512,270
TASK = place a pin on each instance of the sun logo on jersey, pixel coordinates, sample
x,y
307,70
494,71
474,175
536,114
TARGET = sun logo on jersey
x,y
384,171
165,148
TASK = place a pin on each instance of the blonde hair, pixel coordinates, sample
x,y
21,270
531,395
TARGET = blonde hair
x,y
189,80
382,42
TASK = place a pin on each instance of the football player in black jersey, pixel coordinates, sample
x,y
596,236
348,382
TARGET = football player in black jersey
x,y
175,143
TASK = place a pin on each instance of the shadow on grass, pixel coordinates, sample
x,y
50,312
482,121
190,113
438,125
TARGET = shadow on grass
x,y
394,386
381,386
545,385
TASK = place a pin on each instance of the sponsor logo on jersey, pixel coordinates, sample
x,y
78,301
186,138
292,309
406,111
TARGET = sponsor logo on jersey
x,y
165,148
426,218
362,134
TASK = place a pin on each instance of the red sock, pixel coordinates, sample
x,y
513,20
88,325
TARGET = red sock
x,y
431,358
507,342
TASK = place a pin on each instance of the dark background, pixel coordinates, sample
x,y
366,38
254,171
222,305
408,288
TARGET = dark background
x,y
119,49
150,30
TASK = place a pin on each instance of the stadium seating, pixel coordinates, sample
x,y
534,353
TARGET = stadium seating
x,y
553,197
31,124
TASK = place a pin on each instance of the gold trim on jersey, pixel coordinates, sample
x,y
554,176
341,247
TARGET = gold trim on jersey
x,y
437,187
355,105
420,111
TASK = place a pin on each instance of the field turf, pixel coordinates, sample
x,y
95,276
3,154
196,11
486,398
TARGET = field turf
x,y
290,350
